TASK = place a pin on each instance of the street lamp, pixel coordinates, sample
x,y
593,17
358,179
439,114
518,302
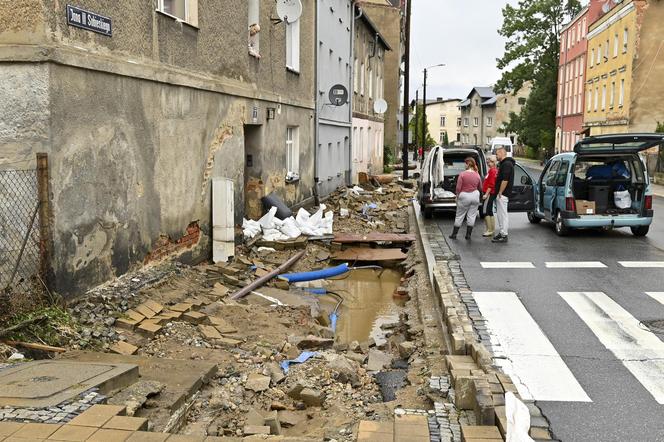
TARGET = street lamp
x,y
424,103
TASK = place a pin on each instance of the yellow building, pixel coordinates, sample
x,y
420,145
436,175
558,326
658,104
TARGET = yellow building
x,y
624,69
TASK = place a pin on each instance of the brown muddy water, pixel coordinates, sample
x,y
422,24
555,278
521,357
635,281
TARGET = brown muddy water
x,y
368,303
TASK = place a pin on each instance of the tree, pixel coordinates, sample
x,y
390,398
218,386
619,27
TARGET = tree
x,y
415,126
532,30
446,139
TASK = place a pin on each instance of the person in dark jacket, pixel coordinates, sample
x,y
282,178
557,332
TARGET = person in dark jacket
x,y
504,183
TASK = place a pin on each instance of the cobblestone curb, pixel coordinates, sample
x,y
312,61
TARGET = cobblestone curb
x,y
477,384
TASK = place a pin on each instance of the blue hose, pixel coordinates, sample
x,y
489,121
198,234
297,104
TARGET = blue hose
x,y
316,274
316,291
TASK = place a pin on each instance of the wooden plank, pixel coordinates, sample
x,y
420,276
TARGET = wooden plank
x,y
349,238
365,254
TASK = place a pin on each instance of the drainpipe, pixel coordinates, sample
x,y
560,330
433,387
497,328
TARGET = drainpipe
x,y
564,90
351,90
316,113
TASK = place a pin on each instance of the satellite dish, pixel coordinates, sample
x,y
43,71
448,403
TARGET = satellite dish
x,y
380,106
606,8
289,10
338,95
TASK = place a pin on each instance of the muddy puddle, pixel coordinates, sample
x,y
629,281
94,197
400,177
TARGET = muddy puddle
x,y
368,303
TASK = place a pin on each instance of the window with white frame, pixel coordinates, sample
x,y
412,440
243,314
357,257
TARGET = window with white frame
x,y
293,150
592,57
443,120
612,96
476,121
589,100
621,98
489,121
616,43
459,122
293,46
625,39
603,97
465,121
253,20
596,98
185,10
584,28
370,85
599,55
362,74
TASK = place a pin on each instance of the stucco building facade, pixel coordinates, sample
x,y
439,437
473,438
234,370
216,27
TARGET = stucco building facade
x,y
444,117
478,117
139,120
369,51
507,104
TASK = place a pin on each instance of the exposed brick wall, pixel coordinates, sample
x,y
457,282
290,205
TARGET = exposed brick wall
x,y
165,246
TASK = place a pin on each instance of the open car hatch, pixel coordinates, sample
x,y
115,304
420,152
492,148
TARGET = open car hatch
x,y
618,143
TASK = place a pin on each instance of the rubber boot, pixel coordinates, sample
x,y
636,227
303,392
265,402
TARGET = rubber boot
x,y
469,232
454,233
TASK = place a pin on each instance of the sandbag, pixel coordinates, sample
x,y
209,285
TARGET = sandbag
x,y
273,200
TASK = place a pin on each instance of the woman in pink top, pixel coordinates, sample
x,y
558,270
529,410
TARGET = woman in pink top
x,y
468,188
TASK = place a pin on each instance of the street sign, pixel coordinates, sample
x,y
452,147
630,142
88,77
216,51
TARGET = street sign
x,y
89,21
338,95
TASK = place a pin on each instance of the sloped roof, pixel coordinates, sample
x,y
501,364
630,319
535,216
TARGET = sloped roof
x,y
483,92
465,103
489,102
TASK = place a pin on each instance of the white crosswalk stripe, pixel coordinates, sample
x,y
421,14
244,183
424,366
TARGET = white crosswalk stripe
x,y
657,296
575,265
642,264
526,354
507,265
639,350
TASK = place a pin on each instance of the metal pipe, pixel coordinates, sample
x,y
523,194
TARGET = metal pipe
x,y
264,279
406,92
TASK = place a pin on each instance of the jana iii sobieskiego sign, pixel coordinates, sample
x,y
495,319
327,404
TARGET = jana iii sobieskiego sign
x,y
89,21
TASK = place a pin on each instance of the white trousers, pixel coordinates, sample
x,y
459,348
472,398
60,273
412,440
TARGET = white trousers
x,y
468,204
502,220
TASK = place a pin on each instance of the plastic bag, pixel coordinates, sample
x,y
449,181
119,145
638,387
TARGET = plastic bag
x,y
622,199
518,419
290,229
250,228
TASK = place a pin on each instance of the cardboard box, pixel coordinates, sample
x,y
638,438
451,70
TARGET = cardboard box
x,y
584,207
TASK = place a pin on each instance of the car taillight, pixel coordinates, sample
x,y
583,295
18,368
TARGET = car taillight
x,y
570,204
648,202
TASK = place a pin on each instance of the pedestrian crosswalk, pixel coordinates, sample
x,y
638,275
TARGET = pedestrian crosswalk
x,y
570,264
524,351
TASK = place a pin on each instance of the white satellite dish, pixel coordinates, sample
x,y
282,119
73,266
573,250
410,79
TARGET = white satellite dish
x,y
380,106
606,8
289,10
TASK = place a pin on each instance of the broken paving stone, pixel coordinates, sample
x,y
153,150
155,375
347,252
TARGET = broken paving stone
x,y
279,406
257,382
345,371
126,324
124,348
272,421
221,325
228,342
276,373
170,314
135,396
360,358
220,290
134,315
312,397
378,360
145,311
289,418
154,306
355,346
406,349
315,343
148,328
209,332
194,317
254,418
181,307
250,430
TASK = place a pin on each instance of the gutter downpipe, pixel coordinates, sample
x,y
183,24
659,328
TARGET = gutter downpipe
x,y
316,112
351,89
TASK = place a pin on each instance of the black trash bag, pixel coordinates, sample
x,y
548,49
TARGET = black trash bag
x,y
273,200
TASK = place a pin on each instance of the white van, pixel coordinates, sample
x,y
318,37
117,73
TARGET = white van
x,y
502,142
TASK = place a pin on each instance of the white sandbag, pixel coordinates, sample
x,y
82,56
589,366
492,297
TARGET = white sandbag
x,y
518,419
622,199
273,235
328,223
290,229
250,228
267,221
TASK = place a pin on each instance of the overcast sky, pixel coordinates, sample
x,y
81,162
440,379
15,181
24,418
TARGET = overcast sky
x,y
463,34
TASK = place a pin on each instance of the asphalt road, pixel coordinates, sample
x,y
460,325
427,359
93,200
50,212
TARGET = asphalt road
x,y
622,407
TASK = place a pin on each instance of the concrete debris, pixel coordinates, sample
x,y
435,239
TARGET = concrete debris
x,y
136,395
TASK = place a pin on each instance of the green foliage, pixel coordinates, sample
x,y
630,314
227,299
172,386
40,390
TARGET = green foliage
x,y
532,30
388,159
660,128
446,139
415,126
54,329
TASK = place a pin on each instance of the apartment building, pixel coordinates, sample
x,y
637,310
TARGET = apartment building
x,y
444,118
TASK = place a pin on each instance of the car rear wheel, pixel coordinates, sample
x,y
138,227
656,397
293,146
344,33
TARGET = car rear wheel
x,y
533,218
640,230
561,228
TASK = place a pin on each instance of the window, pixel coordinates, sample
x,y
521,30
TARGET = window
x,y
522,101
569,40
488,140
592,57
562,43
254,28
589,100
370,85
578,33
612,97
625,39
583,28
356,76
362,73
606,51
443,120
599,55
475,139
476,121
550,179
465,122
561,175
616,43
621,99
603,97
293,150
185,10
489,121
293,45
573,36
596,98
